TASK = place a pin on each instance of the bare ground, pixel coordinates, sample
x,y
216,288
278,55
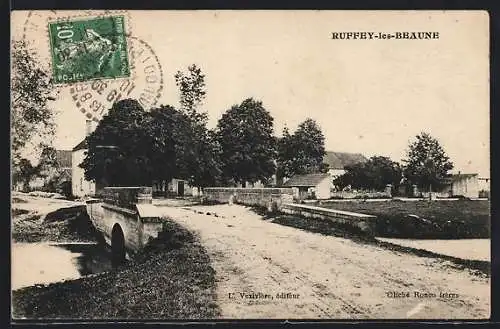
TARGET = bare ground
x,y
332,277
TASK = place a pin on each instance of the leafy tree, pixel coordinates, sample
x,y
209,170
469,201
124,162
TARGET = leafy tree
x,y
205,168
248,147
118,148
374,174
303,151
24,174
171,151
31,89
427,164
192,91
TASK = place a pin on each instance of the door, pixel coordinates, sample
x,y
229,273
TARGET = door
x,y
180,188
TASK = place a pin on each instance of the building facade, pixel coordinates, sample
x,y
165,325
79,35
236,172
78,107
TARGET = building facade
x,y
310,186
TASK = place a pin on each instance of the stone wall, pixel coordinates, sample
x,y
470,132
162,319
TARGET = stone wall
x,y
263,197
365,223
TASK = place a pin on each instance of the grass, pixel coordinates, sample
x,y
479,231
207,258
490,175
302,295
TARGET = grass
x,y
425,219
169,279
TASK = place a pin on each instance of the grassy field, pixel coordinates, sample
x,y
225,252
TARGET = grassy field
x,y
425,219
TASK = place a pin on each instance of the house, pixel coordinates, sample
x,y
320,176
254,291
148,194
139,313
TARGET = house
x,y
484,187
464,185
176,187
81,187
64,160
310,186
338,161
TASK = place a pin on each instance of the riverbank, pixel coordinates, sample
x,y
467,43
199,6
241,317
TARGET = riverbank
x,y
170,279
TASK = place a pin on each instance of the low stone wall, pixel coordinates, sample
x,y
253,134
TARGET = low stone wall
x,y
272,198
127,197
365,223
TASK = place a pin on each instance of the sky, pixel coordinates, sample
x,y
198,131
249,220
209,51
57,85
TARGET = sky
x,y
368,96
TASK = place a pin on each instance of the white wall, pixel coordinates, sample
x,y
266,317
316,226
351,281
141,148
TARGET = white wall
x,y
334,173
322,190
467,187
79,186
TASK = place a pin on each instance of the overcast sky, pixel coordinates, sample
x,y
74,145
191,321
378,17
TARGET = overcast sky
x,y
368,96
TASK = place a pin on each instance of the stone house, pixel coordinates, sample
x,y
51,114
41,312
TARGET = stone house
x,y
338,161
310,186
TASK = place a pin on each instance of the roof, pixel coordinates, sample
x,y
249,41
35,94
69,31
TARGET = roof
x,y
306,180
80,146
339,160
64,158
458,177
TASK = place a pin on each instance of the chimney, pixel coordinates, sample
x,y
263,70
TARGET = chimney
x,y
88,128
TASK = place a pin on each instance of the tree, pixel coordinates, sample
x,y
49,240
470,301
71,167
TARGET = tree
x,y
303,151
171,152
24,173
205,169
31,89
245,135
119,149
427,164
374,174
192,91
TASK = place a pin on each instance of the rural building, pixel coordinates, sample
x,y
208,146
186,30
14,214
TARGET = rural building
x,y
465,185
484,187
309,186
175,187
337,162
64,160
79,185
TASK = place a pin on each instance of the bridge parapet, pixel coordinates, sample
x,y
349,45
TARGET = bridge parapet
x,y
126,212
127,197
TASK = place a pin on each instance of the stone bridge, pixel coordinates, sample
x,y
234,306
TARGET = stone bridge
x,y
126,217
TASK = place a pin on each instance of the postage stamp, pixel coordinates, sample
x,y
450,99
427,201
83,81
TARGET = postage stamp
x,y
88,49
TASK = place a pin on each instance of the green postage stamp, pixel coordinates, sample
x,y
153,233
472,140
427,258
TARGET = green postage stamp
x,y
94,48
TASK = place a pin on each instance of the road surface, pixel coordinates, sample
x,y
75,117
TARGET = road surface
x,y
258,261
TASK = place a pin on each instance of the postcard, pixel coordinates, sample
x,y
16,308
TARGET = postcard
x,y
250,164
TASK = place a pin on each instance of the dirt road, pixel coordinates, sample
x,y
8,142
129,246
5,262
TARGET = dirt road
x,y
258,261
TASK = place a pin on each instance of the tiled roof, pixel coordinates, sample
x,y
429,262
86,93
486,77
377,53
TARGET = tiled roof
x,y
338,160
306,180
64,158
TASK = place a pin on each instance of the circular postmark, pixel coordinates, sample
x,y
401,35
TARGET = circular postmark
x,y
95,97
